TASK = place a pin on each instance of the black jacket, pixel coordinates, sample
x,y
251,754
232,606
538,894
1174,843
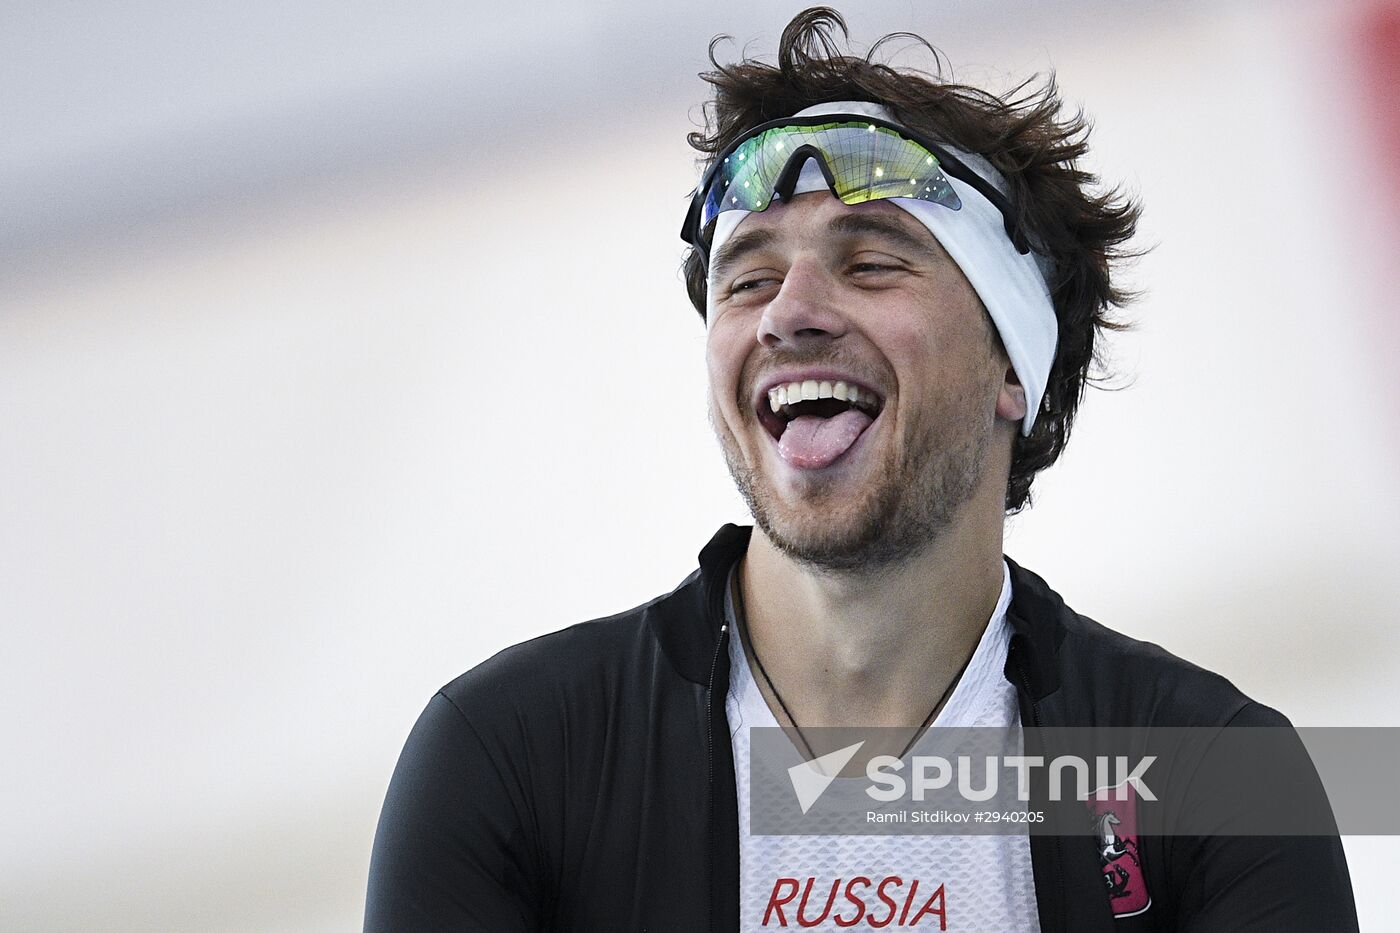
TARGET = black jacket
x,y
584,781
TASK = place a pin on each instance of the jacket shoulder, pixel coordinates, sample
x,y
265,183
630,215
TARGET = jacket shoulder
x,y
1168,689
1127,681
585,657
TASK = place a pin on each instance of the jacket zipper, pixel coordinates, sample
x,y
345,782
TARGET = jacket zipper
x,y
710,763
1059,854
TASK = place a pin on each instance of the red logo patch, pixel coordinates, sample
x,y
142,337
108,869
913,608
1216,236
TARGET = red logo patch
x,y
1114,814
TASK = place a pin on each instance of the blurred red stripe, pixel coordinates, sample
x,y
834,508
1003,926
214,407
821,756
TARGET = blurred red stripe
x,y
1378,48
1380,62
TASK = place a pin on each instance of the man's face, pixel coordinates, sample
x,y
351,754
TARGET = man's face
x,y
818,292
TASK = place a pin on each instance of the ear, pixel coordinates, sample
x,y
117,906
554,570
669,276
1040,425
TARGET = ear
x,y
1011,399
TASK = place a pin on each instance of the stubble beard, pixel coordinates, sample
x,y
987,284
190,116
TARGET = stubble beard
x,y
915,497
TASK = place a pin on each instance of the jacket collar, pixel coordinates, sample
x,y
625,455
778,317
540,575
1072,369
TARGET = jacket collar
x,y
687,621
1036,615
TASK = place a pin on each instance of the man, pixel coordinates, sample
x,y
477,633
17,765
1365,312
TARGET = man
x,y
903,281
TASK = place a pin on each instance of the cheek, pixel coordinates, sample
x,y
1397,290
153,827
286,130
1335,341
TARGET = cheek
x,y
912,347
938,361
724,362
950,324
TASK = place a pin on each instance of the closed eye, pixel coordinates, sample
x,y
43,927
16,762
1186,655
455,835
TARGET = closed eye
x,y
874,261
749,285
875,273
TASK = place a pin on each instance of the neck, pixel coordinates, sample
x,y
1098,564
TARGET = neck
x,y
876,648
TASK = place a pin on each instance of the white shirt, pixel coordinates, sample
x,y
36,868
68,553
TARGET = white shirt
x,y
924,882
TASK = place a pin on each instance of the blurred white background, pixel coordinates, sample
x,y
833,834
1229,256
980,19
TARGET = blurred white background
x,y
343,344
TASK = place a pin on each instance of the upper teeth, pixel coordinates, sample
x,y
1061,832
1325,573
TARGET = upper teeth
x,y
813,389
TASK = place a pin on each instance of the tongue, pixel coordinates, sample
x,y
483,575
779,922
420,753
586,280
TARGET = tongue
x,y
811,442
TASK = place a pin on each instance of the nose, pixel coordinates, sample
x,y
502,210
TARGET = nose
x,y
803,311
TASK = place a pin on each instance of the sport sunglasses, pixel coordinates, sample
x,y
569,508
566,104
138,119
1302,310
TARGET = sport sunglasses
x,y
862,159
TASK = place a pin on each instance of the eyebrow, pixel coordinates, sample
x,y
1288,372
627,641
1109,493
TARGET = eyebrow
x,y
879,225
736,248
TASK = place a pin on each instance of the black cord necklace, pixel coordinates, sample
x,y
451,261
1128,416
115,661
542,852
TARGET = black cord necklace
x,y
741,616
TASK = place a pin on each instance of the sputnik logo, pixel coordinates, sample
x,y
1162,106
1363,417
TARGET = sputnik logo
x,y
810,779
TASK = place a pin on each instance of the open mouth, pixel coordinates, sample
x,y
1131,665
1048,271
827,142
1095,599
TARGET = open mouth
x,y
816,421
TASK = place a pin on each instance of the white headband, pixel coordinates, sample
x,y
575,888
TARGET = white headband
x,y
1012,285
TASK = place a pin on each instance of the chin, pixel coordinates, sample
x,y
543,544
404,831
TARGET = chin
x,y
840,535
831,549
898,512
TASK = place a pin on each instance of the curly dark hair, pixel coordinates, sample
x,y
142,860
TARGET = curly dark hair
x,y
1026,134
